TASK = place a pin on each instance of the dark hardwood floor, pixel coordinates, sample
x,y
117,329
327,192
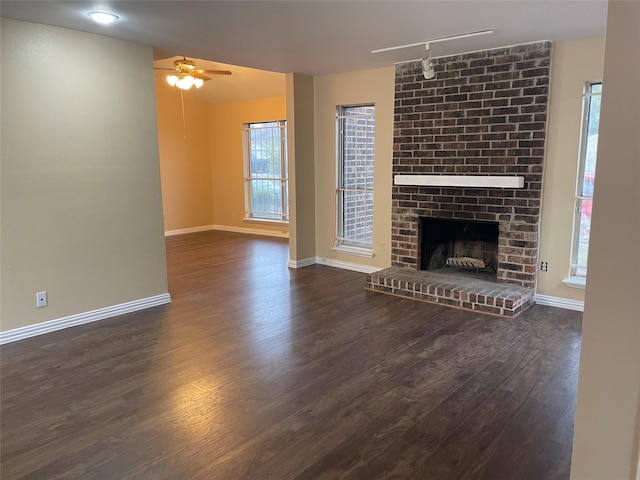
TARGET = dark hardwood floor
x,y
256,371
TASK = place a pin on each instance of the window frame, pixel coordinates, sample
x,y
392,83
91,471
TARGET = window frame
x,y
251,216
342,243
576,276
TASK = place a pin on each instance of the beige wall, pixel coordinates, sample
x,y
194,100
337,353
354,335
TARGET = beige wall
x,y
574,63
607,418
201,160
226,154
300,138
368,86
185,162
81,202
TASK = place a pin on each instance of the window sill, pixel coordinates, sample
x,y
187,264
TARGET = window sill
x,y
575,282
265,221
360,252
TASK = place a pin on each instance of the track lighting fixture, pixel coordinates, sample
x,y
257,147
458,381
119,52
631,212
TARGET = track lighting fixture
x,y
427,64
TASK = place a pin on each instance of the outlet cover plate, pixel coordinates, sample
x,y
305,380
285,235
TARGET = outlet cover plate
x,y
41,299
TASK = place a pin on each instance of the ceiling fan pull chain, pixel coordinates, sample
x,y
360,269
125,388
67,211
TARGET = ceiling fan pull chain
x,y
184,120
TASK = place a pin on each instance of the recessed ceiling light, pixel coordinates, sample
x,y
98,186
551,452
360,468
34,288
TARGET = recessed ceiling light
x,y
103,17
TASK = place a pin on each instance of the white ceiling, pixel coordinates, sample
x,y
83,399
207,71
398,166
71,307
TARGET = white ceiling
x,y
318,37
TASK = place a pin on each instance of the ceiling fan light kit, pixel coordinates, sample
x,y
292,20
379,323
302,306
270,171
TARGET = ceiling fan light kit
x,y
184,82
185,75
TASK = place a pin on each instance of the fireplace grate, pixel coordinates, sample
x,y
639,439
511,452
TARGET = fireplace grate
x,y
470,263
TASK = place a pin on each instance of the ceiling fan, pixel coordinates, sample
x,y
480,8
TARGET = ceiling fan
x,y
186,75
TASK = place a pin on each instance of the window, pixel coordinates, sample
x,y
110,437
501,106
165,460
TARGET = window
x,y
586,177
266,183
356,127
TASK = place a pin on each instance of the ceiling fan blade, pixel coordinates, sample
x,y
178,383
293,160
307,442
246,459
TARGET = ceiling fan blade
x,y
168,69
214,72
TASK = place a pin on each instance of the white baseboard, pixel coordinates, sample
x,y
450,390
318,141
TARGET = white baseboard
x,y
82,318
250,231
356,267
226,228
305,262
559,302
329,262
182,231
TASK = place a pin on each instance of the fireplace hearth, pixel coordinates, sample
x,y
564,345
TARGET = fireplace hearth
x,y
455,290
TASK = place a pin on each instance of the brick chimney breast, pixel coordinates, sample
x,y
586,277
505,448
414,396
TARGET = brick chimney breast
x,y
484,113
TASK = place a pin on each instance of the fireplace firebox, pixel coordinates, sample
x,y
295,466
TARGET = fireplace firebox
x,y
459,244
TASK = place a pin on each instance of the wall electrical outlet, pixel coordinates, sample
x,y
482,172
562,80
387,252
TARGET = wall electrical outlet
x,y
544,266
41,299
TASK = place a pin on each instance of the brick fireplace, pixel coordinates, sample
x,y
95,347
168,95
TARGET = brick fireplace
x,y
483,115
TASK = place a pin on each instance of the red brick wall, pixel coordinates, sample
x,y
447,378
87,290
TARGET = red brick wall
x,y
484,114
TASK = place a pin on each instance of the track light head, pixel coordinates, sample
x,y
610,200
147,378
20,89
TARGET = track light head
x,y
427,65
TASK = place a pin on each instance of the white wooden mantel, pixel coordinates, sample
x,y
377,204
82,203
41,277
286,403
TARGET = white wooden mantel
x,y
490,181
